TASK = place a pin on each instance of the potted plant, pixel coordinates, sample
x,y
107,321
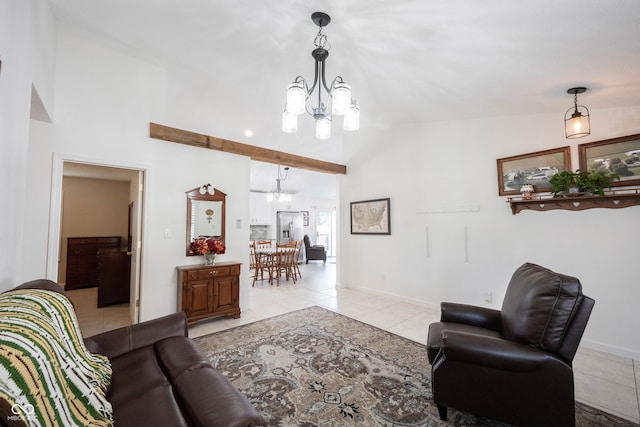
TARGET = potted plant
x,y
578,183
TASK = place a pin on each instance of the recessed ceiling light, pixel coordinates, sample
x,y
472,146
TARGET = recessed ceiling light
x,y
248,132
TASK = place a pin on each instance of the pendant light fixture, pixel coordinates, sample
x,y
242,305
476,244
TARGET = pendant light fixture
x,y
576,119
278,194
338,94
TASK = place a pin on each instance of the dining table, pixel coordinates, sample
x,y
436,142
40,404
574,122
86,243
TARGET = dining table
x,y
271,262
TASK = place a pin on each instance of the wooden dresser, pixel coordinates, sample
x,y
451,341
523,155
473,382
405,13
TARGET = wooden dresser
x,y
209,291
82,260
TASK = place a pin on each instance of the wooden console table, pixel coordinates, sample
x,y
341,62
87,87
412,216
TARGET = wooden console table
x,y
209,291
611,201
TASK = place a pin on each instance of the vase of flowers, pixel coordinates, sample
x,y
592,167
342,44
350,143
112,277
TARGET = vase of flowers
x,y
210,258
209,247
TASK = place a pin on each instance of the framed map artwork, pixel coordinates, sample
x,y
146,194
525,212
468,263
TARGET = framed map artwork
x,y
371,217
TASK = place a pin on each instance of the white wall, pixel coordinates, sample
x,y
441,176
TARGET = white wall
x,y
27,49
444,165
104,103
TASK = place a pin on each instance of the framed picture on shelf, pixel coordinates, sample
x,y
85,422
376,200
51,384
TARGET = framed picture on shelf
x,y
618,155
532,168
305,218
371,217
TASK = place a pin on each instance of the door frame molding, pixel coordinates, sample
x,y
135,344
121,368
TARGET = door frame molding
x,y
55,212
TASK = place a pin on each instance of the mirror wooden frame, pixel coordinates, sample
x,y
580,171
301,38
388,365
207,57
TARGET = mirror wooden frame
x,y
201,194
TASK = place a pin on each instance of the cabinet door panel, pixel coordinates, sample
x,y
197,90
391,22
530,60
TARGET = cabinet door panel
x,y
225,293
198,298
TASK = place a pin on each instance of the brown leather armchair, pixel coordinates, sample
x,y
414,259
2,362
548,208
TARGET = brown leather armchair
x,y
315,252
514,364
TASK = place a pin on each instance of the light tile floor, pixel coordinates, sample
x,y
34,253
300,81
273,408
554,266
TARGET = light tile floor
x,y
605,381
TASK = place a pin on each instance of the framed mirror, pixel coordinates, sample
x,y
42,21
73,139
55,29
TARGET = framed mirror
x,y
205,214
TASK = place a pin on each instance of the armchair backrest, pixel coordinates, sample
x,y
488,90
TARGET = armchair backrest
x,y
540,309
307,242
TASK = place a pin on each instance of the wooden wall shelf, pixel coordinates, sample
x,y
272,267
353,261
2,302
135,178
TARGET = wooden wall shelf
x,y
610,201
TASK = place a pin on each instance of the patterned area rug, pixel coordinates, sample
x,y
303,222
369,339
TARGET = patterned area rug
x,y
314,367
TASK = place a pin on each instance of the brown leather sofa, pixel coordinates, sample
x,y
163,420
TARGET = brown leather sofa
x,y
513,365
162,378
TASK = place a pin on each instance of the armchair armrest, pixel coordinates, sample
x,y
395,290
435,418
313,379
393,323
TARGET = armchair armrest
x,y
470,315
494,352
123,340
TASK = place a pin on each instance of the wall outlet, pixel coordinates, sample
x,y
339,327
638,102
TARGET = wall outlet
x,y
488,297
167,233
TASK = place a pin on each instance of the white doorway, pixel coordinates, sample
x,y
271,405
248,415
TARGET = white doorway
x,y
326,230
132,236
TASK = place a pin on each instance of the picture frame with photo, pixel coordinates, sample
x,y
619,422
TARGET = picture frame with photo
x,y
620,156
532,168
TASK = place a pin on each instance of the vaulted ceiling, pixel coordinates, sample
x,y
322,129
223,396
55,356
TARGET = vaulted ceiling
x,y
406,60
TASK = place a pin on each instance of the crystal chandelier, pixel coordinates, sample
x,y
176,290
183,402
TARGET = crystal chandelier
x,y
338,94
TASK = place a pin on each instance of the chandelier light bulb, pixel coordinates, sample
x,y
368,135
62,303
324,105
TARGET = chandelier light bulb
x,y
296,98
323,127
352,118
341,99
289,122
577,124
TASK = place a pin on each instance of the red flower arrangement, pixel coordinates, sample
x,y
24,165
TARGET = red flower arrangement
x,y
207,245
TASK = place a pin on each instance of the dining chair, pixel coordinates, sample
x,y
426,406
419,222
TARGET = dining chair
x,y
263,244
252,256
284,263
263,258
296,259
265,264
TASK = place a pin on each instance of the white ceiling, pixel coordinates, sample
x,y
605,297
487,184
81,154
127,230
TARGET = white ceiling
x,y
406,60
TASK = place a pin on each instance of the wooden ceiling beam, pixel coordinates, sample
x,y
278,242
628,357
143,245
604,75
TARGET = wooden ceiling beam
x,y
261,154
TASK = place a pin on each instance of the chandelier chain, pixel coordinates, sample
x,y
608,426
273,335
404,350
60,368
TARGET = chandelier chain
x,y
321,40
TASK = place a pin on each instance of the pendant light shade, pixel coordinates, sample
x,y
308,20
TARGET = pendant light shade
x,y
323,127
352,118
341,99
576,119
289,122
296,97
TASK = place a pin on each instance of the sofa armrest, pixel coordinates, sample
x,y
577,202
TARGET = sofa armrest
x,y
123,340
493,352
470,315
43,284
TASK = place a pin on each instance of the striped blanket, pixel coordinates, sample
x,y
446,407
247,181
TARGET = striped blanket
x,y
47,376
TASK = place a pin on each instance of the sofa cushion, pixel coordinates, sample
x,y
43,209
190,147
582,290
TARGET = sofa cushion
x,y
180,354
539,306
46,369
156,407
135,373
210,399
